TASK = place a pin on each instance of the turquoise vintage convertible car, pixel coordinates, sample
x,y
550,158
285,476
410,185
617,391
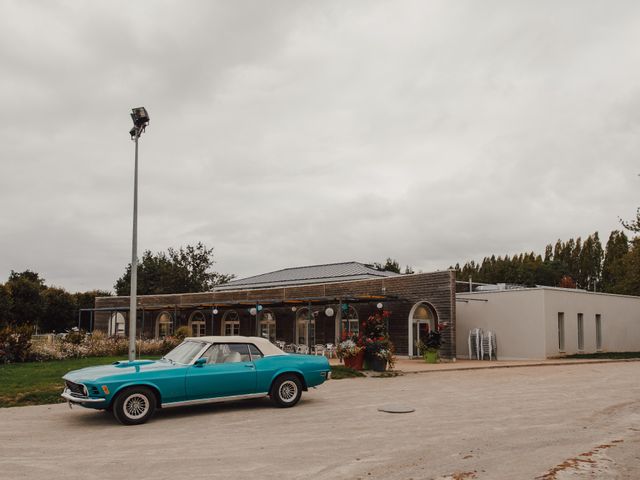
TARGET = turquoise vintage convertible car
x,y
199,370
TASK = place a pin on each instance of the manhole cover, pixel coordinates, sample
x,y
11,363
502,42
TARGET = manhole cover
x,y
396,409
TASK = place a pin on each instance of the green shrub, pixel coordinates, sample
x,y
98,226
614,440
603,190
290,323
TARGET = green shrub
x,y
15,344
183,332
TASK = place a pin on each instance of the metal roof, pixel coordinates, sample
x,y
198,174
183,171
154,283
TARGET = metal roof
x,y
327,273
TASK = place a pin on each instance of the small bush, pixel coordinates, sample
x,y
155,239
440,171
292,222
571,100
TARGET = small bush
x,y
75,337
15,344
183,332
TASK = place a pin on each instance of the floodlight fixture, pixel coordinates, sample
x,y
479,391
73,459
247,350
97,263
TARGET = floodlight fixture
x,y
140,116
140,119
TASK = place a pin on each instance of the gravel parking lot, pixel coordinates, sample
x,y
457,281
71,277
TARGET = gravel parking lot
x,y
573,421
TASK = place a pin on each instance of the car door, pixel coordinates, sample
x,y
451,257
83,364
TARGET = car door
x,y
228,371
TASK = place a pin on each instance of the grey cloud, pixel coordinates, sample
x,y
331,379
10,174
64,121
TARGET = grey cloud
x,y
291,133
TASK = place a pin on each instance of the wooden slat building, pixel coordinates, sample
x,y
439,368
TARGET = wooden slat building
x,y
297,305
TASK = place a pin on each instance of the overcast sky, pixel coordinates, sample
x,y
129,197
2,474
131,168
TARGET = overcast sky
x,y
296,133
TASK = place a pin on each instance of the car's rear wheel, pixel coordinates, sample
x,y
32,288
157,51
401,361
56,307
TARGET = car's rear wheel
x,y
286,391
134,405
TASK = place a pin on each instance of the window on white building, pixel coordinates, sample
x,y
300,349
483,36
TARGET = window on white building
x,y
580,332
561,331
598,332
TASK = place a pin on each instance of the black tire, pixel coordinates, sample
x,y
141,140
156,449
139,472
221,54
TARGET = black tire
x,y
134,405
286,391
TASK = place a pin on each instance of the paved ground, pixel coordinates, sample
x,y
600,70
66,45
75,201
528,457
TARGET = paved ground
x,y
554,422
419,365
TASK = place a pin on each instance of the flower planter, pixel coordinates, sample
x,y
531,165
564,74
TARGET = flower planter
x,y
431,356
378,364
355,362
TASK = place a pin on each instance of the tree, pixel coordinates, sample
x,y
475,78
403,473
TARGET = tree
x,y
589,269
630,283
391,265
88,299
26,294
633,225
6,303
567,282
60,310
613,266
184,270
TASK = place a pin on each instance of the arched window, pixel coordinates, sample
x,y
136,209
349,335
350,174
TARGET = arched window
x,y
350,321
422,320
116,325
268,325
305,327
197,324
230,323
164,325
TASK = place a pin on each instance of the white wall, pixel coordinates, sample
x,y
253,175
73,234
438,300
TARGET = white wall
x,y
620,321
516,316
526,321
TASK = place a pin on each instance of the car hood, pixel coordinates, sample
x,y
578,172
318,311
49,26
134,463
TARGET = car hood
x,y
122,368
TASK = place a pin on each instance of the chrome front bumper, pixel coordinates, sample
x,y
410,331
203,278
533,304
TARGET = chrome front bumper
x,y
73,399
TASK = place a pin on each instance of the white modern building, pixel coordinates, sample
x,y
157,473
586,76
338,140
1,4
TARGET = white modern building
x,y
547,322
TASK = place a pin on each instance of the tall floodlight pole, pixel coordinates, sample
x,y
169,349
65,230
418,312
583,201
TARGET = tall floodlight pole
x,y
140,119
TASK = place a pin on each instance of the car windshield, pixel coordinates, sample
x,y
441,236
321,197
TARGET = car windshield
x,y
185,352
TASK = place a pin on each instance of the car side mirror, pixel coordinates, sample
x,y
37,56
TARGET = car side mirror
x,y
200,362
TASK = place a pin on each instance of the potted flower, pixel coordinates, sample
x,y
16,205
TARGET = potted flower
x,y
429,345
378,347
351,351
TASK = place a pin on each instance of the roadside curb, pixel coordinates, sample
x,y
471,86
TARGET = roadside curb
x,y
541,364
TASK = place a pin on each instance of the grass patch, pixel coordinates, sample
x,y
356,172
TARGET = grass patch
x,y
37,383
338,372
605,355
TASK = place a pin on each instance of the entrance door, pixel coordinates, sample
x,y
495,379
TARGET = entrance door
x,y
420,329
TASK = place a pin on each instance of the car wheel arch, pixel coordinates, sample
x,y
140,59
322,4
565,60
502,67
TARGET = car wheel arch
x,y
297,373
150,386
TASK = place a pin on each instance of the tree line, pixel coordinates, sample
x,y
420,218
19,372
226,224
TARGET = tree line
x,y
575,263
25,299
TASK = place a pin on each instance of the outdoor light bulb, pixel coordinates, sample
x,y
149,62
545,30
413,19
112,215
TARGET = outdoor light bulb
x,y
253,311
379,305
293,309
215,311
329,312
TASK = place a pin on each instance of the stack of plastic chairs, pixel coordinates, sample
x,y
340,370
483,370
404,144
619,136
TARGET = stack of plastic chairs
x,y
489,345
475,344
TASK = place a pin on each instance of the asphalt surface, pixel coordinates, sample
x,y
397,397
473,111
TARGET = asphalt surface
x,y
555,422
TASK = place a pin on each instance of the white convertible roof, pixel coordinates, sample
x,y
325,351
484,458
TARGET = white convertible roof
x,y
265,346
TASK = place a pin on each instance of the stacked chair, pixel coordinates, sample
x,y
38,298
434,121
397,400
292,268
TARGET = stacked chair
x,y
482,344
475,343
489,345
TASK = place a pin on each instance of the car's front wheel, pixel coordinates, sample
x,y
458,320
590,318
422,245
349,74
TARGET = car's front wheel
x,y
286,391
134,405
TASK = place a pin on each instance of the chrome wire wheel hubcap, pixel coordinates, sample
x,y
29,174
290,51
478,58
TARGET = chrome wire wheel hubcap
x,y
288,391
136,406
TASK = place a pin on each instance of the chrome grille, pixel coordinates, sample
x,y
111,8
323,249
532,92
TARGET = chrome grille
x,y
76,389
